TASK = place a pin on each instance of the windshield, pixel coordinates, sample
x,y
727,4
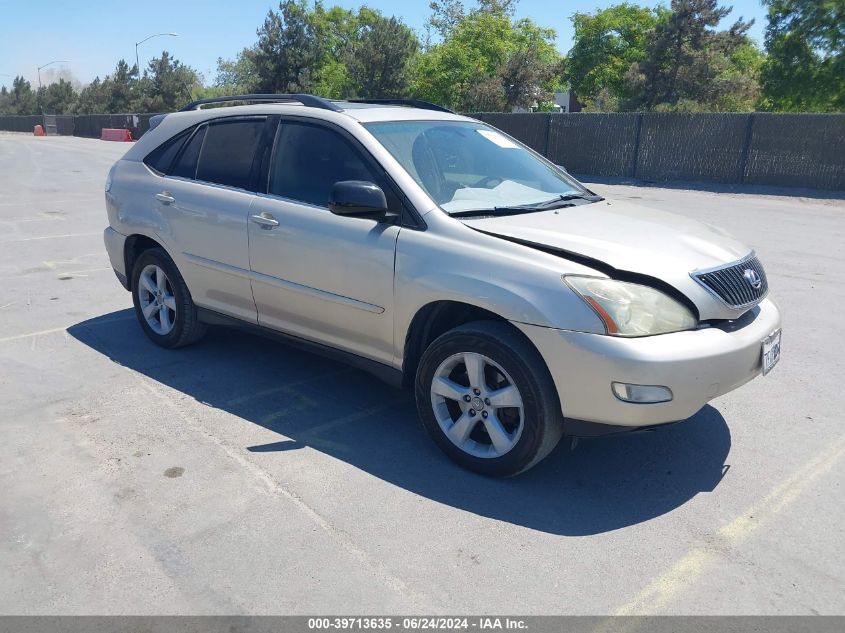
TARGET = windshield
x,y
468,166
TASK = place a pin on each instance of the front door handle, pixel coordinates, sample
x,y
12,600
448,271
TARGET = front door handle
x,y
265,221
165,198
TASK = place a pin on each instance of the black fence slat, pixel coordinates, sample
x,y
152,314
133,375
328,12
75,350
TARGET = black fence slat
x,y
530,128
26,123
65,125
797,150
684,146
592,143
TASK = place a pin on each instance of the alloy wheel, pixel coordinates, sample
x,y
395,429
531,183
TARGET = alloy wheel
x,y
477,405
158,303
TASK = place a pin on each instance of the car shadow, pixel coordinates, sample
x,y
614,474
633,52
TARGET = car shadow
x,y
600,485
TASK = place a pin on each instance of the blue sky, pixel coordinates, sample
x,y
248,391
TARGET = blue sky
x,y
94,34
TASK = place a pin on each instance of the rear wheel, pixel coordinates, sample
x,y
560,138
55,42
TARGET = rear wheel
x,y
486,397
163,303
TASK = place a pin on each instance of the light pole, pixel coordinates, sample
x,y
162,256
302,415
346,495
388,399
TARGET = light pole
x,y
55,61
38,94
137,64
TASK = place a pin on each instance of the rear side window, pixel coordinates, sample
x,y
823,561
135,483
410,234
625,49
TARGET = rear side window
x,y
186,163
162,157
229,151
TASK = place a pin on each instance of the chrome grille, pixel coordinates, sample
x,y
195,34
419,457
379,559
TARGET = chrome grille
x,y
732,284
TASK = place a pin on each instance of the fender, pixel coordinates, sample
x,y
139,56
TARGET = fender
x,y
514,282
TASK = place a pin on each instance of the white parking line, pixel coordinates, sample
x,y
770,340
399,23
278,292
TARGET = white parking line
x,y
18,337
51,237
53,330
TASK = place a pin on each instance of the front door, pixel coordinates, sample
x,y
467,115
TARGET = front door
x,y
318,275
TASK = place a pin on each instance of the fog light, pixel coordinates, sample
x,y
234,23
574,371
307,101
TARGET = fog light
x,y
641,394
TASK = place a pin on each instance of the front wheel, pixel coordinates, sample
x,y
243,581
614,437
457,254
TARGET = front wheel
x,y
486,397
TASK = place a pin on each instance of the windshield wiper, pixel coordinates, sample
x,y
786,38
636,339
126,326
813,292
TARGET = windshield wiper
x,y
496,212
559,202
589,197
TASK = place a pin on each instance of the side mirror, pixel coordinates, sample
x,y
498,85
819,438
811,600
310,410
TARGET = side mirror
x,y
358,199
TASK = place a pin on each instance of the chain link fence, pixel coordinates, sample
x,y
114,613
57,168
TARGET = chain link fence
x,y
20,123
86,125
797,150
793,150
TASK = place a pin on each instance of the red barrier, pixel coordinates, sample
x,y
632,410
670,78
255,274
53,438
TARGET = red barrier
x,y
38,130
115,134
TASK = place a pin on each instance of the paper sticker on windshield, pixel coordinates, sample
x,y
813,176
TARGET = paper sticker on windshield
x,y
498,139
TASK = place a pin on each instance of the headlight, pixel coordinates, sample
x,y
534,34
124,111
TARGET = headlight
x,y
631,309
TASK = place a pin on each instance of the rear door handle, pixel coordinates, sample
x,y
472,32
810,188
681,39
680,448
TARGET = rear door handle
x,y
165,198
265,220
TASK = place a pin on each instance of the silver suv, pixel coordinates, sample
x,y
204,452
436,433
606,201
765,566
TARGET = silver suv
x,y
442,255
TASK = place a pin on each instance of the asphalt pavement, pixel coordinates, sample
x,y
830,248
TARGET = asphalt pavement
x,y
243,476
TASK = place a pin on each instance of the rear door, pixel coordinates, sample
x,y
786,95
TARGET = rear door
x,y
206,199
315,274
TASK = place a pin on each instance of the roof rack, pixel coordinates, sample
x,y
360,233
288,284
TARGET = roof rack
x,y
313,102
304,99
412,103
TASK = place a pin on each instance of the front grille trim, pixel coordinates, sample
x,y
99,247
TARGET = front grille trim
x,y
727,284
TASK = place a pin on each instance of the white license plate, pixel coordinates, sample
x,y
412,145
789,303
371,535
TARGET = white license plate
x,y
771,351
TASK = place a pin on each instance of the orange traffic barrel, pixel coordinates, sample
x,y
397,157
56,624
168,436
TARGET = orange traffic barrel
x,y
38,130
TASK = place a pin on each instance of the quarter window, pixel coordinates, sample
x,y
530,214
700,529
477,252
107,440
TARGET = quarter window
x,y
186,163
162,157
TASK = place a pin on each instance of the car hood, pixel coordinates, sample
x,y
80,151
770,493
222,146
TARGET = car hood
x,y
629,238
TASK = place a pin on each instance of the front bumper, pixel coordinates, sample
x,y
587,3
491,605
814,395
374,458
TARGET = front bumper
x,y
697,366
115,243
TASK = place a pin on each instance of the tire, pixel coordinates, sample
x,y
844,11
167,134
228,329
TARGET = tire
x,y
531,430
178,324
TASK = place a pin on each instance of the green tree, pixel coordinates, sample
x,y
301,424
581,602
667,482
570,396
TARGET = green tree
x,y
448,14
238,76
605,44
333,52
489,62
736,86
338,31
5,101
116,93
22,97
123,88
379,61
445,16
532,70
288,50
57,98
94,98
167,85
805,65
688,61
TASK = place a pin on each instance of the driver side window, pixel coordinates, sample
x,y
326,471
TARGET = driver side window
x,y
309,159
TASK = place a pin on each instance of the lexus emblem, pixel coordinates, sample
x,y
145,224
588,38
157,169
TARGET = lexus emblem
x,y
750,275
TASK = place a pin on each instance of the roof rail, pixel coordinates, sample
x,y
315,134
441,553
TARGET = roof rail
x,y
413,103
304,99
